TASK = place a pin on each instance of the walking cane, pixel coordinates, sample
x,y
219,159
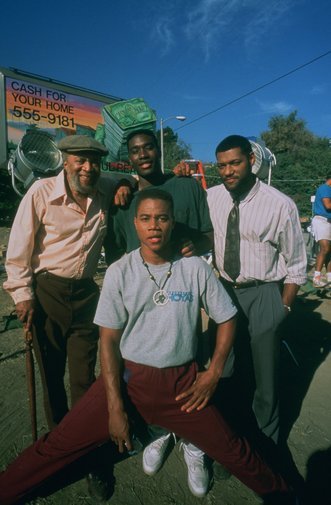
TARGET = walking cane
x,y
30,377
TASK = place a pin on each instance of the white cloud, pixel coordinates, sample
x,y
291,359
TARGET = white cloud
x,y
207,21
318,89
211,25
264,17
277,107
211,22
163,33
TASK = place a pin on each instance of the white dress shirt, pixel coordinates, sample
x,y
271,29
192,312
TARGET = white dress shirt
x,y
271,241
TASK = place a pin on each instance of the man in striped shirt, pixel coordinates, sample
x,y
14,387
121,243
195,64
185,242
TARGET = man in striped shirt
x,y
271,264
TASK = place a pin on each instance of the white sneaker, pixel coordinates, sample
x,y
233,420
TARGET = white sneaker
x,y
198,475
318,282
153,454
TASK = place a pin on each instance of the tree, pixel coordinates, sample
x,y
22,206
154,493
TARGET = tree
x,y
303,159
174,149
9,200
288,134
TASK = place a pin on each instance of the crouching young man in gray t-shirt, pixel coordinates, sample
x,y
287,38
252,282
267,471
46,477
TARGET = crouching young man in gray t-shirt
x,y
148,313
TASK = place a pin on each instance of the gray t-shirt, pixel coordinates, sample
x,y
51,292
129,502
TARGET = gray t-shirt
x,y
160,335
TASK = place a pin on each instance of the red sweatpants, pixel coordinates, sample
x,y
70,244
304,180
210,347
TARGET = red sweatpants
x,y
153,392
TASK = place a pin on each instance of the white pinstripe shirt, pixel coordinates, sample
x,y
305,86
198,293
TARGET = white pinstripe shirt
x,y
271,242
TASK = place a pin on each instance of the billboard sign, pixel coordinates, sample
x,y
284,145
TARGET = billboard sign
x,y
55,108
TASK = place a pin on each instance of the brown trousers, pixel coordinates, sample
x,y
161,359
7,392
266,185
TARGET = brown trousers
x,y
63,329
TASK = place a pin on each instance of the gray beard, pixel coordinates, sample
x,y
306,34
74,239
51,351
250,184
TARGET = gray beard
x,y
83,190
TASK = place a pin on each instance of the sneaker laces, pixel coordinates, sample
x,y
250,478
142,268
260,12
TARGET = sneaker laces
x,y
159,443
196,456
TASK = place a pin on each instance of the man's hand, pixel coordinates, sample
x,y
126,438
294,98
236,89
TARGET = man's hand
x,y
25,311
123,194
288,296
119,430
183,169
201,245
187,248
200,392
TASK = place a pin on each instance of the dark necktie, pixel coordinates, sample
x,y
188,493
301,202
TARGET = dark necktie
x,y
232,243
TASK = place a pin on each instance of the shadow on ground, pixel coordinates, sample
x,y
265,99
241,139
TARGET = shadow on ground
x,y
309,339
306,343
318,477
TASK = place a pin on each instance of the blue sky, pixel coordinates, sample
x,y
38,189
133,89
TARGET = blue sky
x,y
185,57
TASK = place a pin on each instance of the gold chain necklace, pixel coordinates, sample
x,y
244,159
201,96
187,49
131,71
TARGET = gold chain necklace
x,y
160,297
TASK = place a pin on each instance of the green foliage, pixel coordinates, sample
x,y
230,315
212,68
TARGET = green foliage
x,y
212,175
287,134
9,200
303,159
174,148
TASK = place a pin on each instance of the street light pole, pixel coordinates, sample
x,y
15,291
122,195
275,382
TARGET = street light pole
x,y
162,121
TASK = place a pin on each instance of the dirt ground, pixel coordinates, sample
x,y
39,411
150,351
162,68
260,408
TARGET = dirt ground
x,y
306,401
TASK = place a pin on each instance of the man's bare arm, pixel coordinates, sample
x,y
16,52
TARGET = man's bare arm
x,y
327,203
289,293
124,190
111,369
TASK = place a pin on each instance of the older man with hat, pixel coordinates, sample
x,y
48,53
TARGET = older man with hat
x,y
53,252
